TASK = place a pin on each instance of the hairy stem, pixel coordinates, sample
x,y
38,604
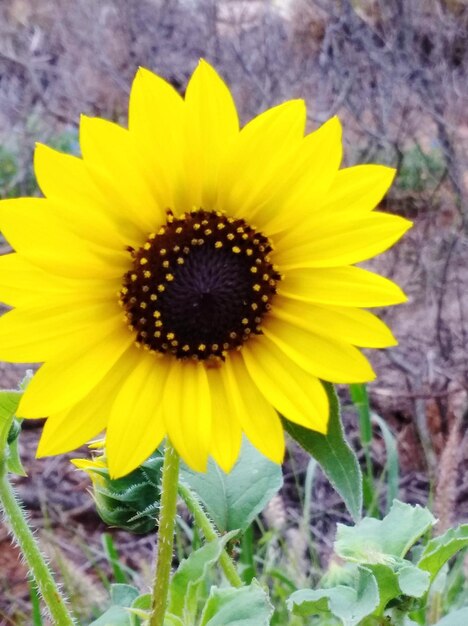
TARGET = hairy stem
x,y
38,567
170,478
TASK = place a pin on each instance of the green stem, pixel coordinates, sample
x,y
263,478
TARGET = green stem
x,y
32,554
208,529
170,479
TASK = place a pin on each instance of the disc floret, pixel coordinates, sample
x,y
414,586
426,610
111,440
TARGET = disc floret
x,y
199,286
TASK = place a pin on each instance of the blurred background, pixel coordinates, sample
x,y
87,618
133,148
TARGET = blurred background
x,y
396,72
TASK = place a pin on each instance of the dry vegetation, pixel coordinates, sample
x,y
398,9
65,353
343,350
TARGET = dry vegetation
x,y
395,71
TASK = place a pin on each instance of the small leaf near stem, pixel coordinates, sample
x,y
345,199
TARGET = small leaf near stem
x,y
170,479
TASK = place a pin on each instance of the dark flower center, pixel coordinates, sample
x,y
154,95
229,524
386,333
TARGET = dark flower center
x,y
199,286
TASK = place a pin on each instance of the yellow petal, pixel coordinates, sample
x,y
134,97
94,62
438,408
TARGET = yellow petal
x,y
342,286
324,357
340,242
354,326
116,167
187,412
226,433
69,429
155,120
211,126
36,334
254,171
357,189
62,382
74,198
257,417
33,229
314,168
296,394
24,284
136,425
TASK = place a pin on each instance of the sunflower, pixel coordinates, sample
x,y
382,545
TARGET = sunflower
x,y
191,279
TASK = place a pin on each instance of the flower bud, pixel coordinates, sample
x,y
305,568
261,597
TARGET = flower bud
x,y
130,502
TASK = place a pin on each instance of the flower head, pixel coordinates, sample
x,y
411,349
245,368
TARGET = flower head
x,y
191,279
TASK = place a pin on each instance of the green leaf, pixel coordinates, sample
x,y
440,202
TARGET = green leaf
x,y
123,595
384,541
234,500
336,458
9,401
349,603
439,550
413,581
115,616
246,606
191,572
457,618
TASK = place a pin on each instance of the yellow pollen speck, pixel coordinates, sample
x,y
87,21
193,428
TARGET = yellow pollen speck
x,y
178,230
245,236
256,287
201,242
163,251
186,250
158,323
204,222
231,220
143,305
161,288
236,249
214,347
152,236
230,236
239,229
153,297
180,261
194,242
233,335
249,251
245,321
265,298
133,277
220,226
169,277
272,282
254,306
201,347
124,290
176,248
170,336
165,263
186,347
196,226
161,231
254,269
218,244
147,246
147,274
266,277
207,231
156,314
